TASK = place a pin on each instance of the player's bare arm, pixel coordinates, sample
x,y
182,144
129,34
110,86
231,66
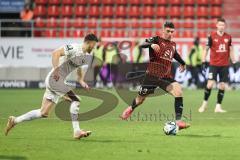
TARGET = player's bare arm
x,y
81,72
55,62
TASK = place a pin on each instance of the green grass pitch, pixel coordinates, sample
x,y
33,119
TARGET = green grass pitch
x,y
212,136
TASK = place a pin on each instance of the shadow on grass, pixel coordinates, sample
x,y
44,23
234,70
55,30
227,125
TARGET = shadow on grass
x,y
204,136
5,157
87,140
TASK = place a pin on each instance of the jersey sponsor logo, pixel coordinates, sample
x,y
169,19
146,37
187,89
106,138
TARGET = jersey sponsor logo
x,y
69,47
216,40
226,40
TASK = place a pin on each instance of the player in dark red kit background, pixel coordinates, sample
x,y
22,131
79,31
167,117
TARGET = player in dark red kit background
x,y
162,51
220,45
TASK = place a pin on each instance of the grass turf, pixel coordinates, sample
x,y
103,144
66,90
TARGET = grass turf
x,y
211,136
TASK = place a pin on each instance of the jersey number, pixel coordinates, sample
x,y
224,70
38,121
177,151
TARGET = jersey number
x,y
222,47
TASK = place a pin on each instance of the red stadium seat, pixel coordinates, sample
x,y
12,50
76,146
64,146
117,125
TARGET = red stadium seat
x,y
40,11
134,11
92,31
175,2
178,24
148,11
161,11
41,2
39,22
158,24
148,2
146,33
202,34
52,22
135,23
161,2
94,11
202,23
80,11
78,33
147,23
188,2
65,22
134,33
92,23
217,2
119,33
65,33
122,2
69,2
175,11
82,2
53,11
78,23
212,23
121,11
202,2
188,23
135,2
216,11
67,11
94,2
176,34
108,2
202,11
105,33
187,34
120,23
107,11
189,11
106,23
50,33
54,2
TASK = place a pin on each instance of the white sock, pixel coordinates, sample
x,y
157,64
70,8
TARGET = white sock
x,y
74,110
205,103
34,114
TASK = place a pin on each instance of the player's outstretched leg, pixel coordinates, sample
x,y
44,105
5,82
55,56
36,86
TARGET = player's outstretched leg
x,y
207,93
129,110
34,114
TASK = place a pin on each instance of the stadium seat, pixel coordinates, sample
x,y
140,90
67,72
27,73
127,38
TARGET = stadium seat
x,y
94,31
121,11
148,2
202,11
50,33
188,23
134,23
53,11
161,11
54,2
178,24
175,2
217,2
133,33
94,2
52,22
134,11
187,34
148,11
92,23
119,33
67,11
158,32
78,23
122,2
120,23
39,10
94,11
68,2
189,11
202,23
175,11
158,24
202,34
188,2
135,2
161,2
216,11
202,2
65,22
106,23
78,33
81,2
108,2
43,2
107,11
146,23
39,22
176,34
80,11
105,33
146,33
212,23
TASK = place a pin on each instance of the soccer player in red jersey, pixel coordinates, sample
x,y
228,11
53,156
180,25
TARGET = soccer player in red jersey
x,y
162,51
220,45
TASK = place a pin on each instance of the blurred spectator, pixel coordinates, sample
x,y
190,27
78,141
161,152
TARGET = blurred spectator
x,y
26,16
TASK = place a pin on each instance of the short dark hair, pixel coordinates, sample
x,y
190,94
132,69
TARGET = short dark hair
x,y
221,20
90,37
168,24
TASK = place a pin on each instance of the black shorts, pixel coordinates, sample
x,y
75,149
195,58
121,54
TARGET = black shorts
x,y
150,83
222,71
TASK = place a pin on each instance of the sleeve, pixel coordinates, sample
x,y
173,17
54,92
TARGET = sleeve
x,y
178,58
153,40
230,41
70,49
209,41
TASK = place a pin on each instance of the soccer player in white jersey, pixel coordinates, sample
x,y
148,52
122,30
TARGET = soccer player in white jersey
x,y
64,61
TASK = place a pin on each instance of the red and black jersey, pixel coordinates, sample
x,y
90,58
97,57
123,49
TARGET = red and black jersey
x,y
219,49
160,64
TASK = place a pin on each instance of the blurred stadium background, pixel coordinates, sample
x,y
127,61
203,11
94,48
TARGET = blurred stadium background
x,y
26,46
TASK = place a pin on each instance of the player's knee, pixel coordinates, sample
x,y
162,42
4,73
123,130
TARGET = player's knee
x,y
221,86
178,91
210,85
44,114
140,100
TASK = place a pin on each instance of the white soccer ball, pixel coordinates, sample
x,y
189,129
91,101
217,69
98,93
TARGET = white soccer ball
x,y
170,128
